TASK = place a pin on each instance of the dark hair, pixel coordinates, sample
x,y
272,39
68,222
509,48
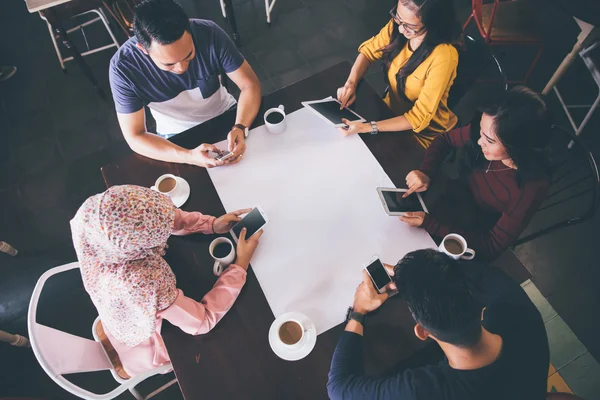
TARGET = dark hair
x,y
161,21
440,296
439,20
521,125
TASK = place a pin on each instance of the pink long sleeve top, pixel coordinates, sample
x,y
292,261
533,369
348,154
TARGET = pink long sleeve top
x,y
189,315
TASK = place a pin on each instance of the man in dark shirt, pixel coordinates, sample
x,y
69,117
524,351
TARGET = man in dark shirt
x,y
492,335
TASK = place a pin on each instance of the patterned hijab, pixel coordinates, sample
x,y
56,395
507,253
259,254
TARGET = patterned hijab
x,y
120,237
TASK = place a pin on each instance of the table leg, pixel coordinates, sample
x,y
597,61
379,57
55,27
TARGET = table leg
x,y
231,17
64,37
568,60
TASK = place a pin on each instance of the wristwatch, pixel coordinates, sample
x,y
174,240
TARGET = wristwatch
x,y
374,130
244,129
358,317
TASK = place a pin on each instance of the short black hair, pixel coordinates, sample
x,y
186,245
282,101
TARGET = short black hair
x,y
160,21
440,296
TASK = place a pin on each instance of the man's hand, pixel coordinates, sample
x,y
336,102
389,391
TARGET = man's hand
x,y
246,248
199,156
354,127
225,222
413,218
416,182
236,143
367,298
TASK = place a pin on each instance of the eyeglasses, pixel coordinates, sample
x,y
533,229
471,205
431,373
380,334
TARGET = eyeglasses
x,y
407,28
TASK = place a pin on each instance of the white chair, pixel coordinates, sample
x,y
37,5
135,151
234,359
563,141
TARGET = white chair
x,y
591,58
268,9
101,17
60,353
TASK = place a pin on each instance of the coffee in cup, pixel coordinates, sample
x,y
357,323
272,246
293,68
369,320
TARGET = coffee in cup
x,y
275,120
166,184
455,246
223,252
290,332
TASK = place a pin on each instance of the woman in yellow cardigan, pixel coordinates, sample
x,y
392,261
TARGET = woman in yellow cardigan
x,y
417,47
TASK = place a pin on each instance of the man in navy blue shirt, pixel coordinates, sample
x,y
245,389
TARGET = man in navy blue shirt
x,y
173,66
493,337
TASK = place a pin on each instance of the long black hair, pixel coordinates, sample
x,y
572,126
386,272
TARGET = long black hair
x,y
439,21
521,125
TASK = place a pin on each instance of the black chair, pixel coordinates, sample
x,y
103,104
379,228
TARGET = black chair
x,y
473,58
574,194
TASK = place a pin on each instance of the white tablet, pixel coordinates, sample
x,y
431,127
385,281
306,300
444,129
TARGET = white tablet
x,y
329,110
254,221
394,204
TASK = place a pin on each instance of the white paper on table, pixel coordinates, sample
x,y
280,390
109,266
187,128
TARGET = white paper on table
x,y
318,189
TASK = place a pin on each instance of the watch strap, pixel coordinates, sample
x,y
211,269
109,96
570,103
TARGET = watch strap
x,y
244,129
374,129
356,316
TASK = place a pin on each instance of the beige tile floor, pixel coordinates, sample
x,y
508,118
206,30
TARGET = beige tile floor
x,y
573,369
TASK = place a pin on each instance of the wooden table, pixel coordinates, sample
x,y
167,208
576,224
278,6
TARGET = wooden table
x,y
234,361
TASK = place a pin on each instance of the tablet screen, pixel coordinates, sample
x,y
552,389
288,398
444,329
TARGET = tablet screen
x,y
253,221
331,111
396,203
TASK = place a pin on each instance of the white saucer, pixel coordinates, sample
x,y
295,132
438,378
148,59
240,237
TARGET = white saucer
x,y
183,194
281,350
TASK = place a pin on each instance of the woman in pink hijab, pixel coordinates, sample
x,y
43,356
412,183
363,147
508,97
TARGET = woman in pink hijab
x,y
120,237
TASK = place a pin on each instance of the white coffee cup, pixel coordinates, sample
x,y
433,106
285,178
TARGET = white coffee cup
x,y
221,262
278,127
456,247
291,333
167,184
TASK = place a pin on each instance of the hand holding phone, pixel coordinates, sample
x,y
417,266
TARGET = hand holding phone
x,y
378,274
224,155
254,221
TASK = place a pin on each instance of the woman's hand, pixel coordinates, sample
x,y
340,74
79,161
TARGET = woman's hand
x,y
354,127
224,223
246,248
416,182
346,94
413,218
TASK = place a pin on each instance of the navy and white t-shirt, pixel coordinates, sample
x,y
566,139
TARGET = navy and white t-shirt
x,y
177,102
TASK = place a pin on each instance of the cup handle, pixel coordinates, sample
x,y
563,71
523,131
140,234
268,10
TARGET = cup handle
x,y
154,188
217,268
281,107
469,254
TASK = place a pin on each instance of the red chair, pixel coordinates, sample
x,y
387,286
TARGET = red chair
x,y
507,23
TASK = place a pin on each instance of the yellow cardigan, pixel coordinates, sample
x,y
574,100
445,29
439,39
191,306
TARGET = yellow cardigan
x,y
427,87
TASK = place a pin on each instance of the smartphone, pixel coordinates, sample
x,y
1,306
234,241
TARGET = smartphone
x,y
394,204
224,156
254,221
378,274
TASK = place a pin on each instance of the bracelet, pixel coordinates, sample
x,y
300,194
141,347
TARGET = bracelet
x,y
213,227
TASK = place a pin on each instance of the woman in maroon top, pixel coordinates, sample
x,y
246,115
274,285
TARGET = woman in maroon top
x,y
501,160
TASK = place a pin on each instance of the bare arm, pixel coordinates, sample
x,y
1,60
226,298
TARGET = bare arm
x,y
153,146
250,93
347,94
248,105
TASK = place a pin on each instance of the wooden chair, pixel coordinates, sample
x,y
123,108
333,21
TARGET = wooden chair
x,y
574,194
507,23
